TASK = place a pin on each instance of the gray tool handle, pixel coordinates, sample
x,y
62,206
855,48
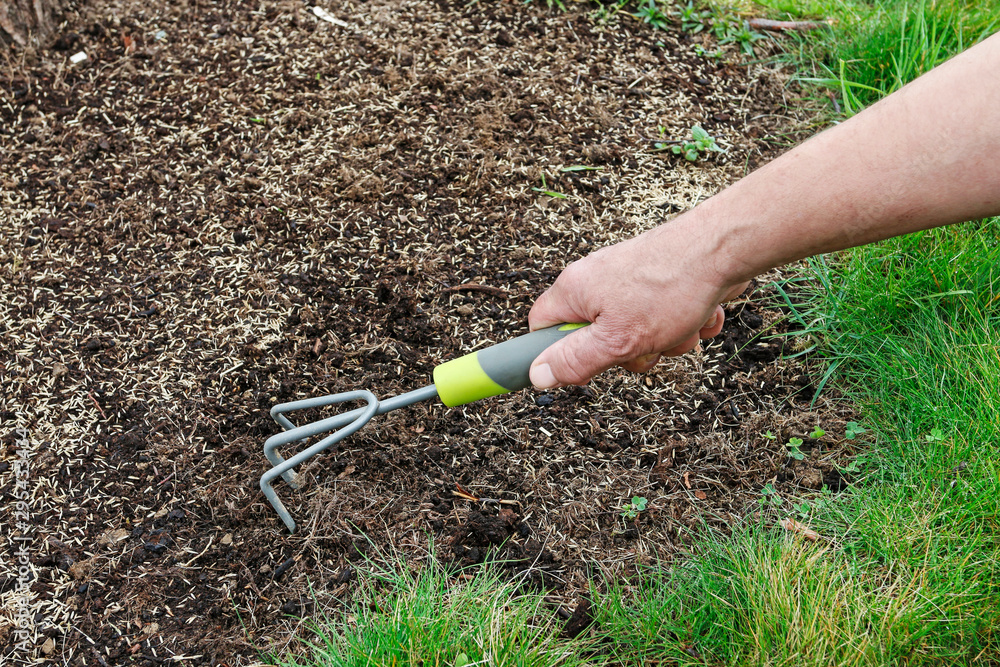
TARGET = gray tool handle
x,y
495,370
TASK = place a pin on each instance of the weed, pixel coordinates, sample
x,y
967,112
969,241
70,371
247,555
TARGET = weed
x,y
717,54
936,435
730,30
551,4
650,13
770,436
700,144
851,467
793,449
606,14
769,496
631,510
693,19
817,433
853,430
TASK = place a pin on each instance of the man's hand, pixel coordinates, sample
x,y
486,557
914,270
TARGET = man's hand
x,y
656,294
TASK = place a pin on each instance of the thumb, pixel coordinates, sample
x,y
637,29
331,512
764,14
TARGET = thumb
x,y
573,360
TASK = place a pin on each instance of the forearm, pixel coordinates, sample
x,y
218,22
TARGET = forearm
x,y
926,156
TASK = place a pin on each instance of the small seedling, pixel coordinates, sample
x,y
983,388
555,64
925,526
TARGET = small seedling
x,y
693,19
817,433
852,430
650,13
551,4
545,190
732,31
607,13
802,509
701,143
851,467
699,50
770,436
258,120
769,496
936,435
722,25
793,449
630,511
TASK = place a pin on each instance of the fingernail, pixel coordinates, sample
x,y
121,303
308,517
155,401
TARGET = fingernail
x,y
542,377
711,322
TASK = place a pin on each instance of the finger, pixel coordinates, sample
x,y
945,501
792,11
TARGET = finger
x,y
642,364
714,324
574,359
683,348
736,291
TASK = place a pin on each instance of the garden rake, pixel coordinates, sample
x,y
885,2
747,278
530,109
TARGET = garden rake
x,y
495,370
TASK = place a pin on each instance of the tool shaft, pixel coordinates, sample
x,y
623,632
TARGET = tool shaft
x,y
293,433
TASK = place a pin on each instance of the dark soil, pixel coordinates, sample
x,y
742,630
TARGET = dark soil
x,y
254,206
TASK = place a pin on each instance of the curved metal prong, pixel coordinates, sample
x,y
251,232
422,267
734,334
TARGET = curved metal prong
x,y
294,433
354,420
343,424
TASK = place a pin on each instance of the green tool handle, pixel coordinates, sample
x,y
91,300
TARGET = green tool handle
x,y
495,370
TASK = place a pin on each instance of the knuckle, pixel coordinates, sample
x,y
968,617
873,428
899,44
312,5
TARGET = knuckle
x,y
574,272
621,343
568,369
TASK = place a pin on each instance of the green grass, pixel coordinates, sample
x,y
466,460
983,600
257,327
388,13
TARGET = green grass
x,y
915,323
877,47
405,616
762,599
911,329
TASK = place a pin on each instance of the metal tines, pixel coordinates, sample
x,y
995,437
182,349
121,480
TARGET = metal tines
x,y
342,425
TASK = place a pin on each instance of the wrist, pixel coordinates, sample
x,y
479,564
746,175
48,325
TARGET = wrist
x,y
715,247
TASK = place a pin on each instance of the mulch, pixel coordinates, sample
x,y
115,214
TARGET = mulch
x,y
231,205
